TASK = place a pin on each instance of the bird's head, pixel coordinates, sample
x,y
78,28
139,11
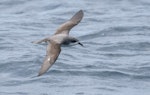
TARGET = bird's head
x,y
75,41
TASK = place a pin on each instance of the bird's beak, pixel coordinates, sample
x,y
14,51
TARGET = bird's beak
x,y
81,44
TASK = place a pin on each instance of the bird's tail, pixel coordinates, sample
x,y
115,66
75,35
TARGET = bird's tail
x,y
40,41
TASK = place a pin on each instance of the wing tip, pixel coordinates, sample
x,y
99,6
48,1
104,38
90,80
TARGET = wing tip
x,y
40,73
80,11
78,16
74,20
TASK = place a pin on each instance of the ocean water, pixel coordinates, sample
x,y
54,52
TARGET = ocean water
x,y
114,61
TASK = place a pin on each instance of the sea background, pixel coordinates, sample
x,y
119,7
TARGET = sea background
x,y
114,61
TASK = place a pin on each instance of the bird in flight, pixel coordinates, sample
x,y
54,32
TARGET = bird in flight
x,y
60,37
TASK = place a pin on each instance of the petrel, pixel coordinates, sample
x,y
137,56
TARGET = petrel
x,y
60,37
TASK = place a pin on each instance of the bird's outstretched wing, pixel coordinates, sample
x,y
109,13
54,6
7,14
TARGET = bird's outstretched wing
x,y
67,26
53,51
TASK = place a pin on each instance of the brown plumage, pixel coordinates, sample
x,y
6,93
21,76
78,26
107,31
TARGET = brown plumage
x,y
53,50
67,26
60,37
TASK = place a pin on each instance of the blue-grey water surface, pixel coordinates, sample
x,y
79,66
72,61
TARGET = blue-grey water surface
x,y
114,61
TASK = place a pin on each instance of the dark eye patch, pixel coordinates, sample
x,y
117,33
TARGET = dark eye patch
x,y
73,41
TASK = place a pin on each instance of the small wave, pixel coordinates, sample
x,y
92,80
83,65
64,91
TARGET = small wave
x,y
118,55
141,77
134,46
117,31
110,74
117,74
13,93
